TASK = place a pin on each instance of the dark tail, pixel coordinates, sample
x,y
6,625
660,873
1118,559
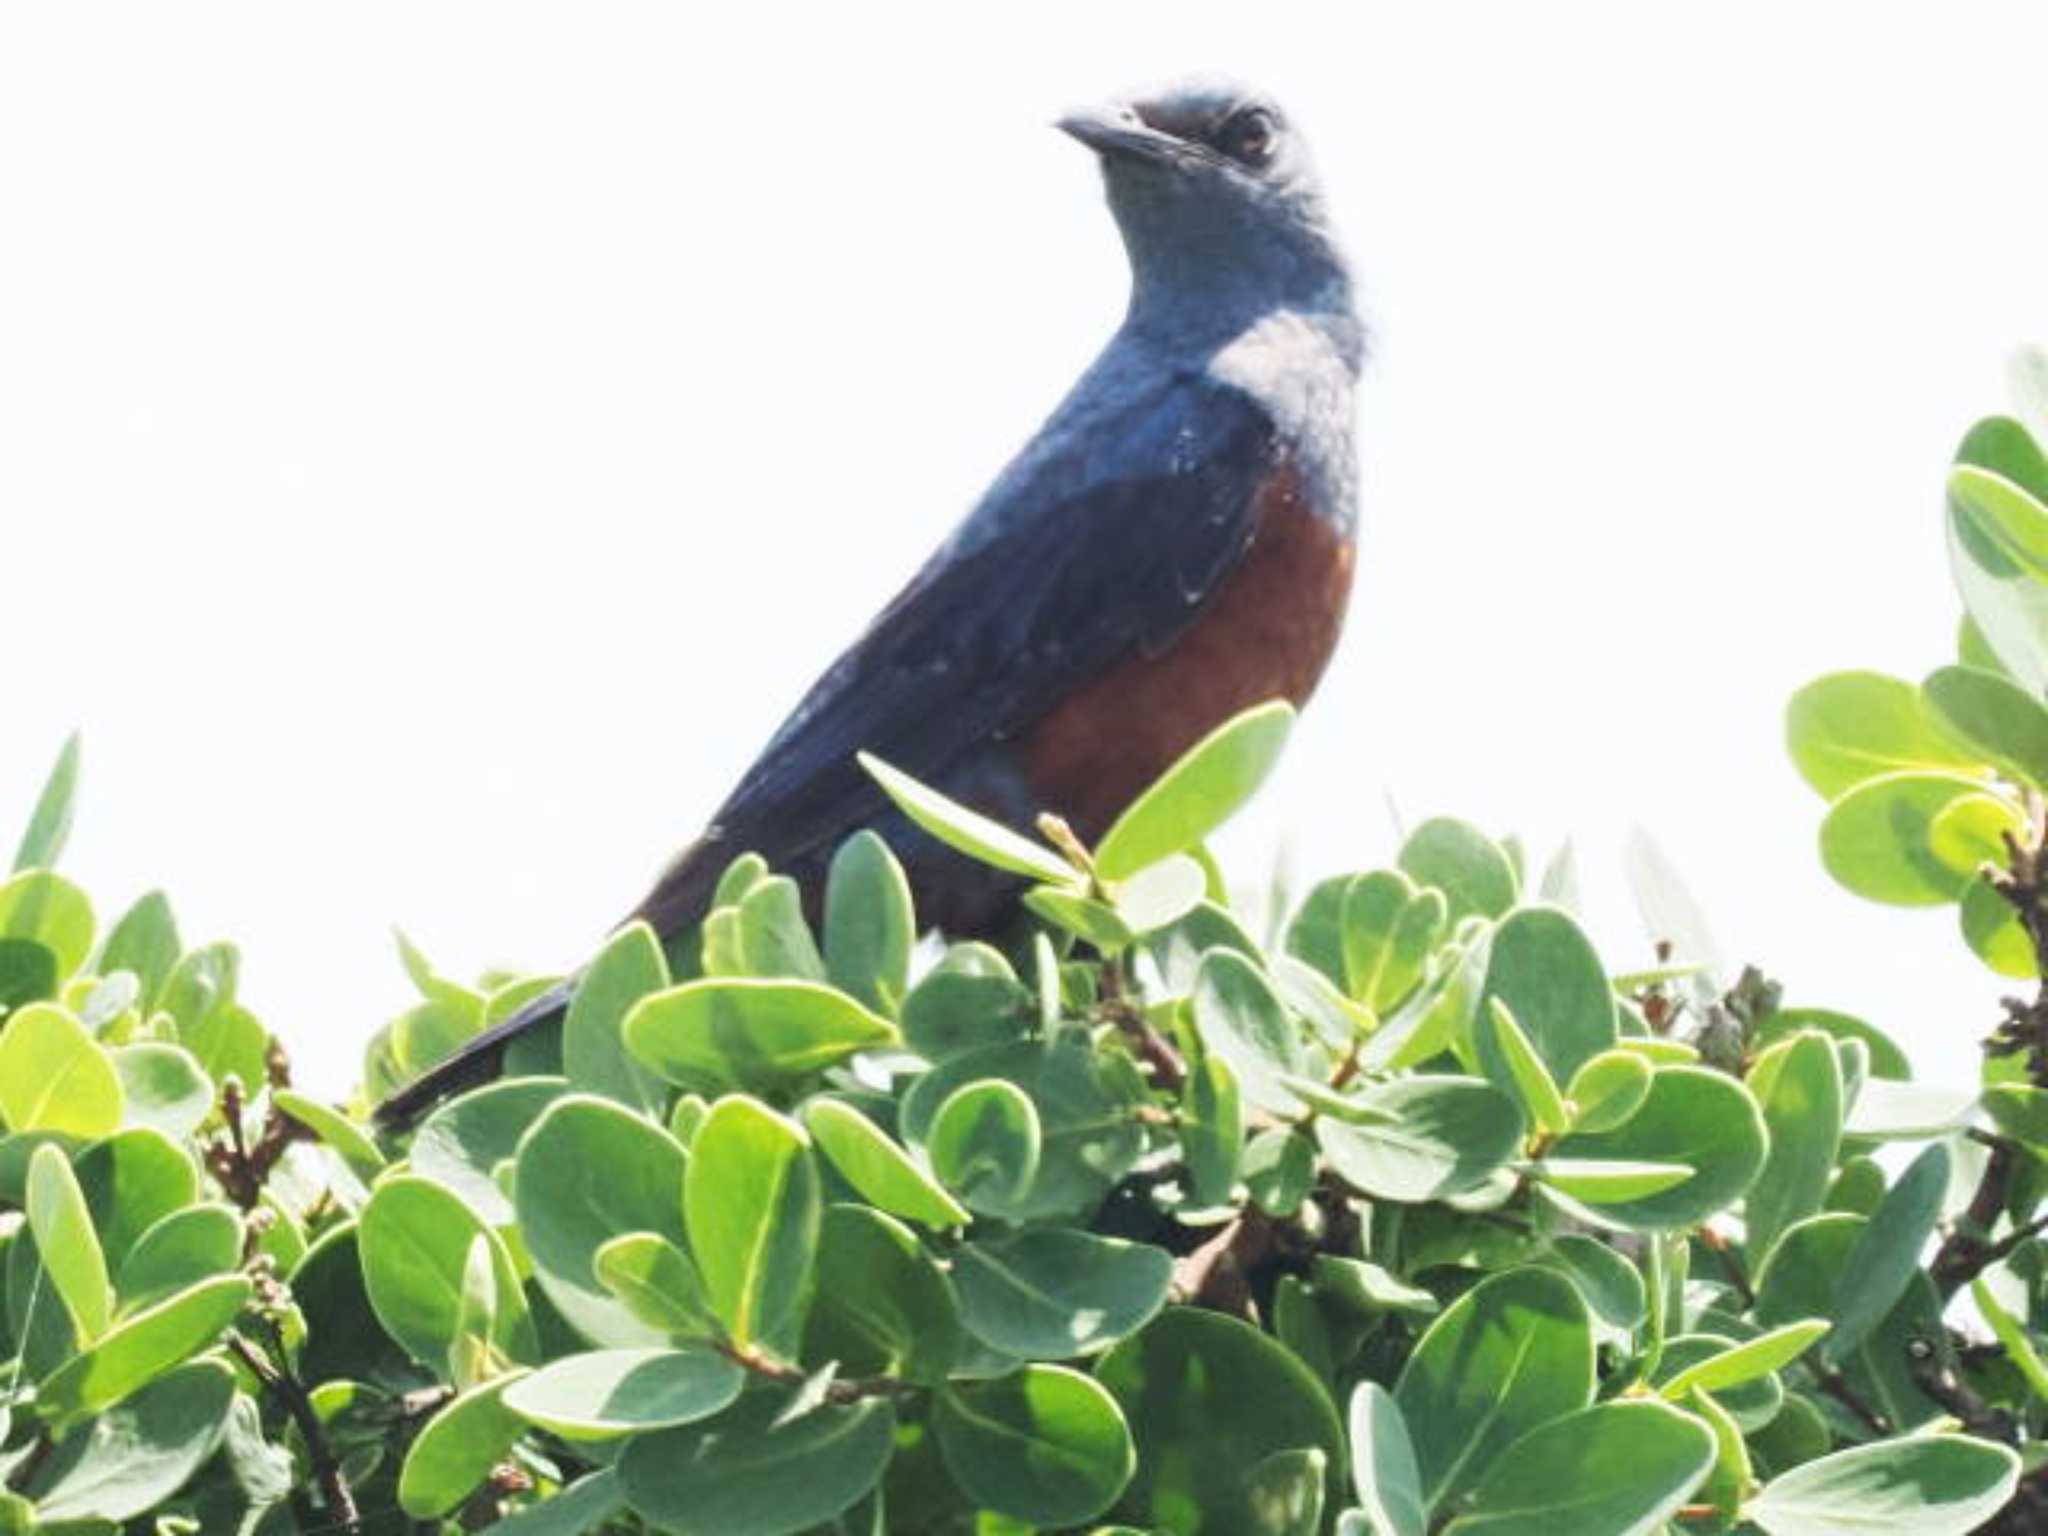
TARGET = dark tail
x,y
675,904
477,1061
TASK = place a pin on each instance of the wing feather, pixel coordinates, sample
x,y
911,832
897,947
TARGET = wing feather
x,y
1101,542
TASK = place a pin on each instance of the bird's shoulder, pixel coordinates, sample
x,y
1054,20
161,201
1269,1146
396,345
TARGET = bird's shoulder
x,y
1101,538
1138,411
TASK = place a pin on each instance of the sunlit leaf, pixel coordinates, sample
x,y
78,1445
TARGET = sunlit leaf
x,y
1198,793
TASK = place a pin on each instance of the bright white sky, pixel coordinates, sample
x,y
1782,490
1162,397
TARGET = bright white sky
x,y
437,443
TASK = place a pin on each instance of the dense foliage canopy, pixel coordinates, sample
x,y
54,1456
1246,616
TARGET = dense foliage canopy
x,y
1399,1214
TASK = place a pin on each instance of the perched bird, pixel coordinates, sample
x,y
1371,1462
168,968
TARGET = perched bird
x,y
1175,545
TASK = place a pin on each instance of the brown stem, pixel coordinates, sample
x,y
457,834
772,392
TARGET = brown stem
x,y
1942,1385
486,1506
1718,1246
1968,1248
850,1390
1217,1275
1057,831
1836,1385
2026,1513
1152,1049
279,1381
243,1169
25,1473
1347,1069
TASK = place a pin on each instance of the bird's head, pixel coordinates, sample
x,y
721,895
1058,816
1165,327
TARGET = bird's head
x,y
1217,200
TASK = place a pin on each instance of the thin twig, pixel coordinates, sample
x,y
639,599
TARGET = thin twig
x,y
1217,1275
1718,1246
851,1390
2026,1513
1836,1385
1152,1049
1968,1249
243,1169
1347,1069
280,1383
25,1472
1935,1378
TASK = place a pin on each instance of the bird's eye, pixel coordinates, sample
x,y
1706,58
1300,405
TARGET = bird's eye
x,y
1248,137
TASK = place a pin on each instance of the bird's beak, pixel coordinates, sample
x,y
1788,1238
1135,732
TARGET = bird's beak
x,y
1115,130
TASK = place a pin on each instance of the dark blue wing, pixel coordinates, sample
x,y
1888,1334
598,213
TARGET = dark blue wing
x,y
1104,538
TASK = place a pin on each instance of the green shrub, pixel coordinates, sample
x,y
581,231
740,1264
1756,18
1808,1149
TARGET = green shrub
x,y
1408,1217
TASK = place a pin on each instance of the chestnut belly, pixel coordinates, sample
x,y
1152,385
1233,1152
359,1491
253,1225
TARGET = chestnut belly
x,y
1267,632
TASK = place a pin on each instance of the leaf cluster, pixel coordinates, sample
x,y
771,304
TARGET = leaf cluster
x,y
1408,1217
1403,1214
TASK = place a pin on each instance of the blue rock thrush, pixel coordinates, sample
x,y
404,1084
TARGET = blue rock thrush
x,y
1175,545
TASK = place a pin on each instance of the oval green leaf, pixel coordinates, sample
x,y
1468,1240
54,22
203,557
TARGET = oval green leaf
x,y
464,1143
1995,535
456,1449
1212,1130
163,1087
971,998
658,1283
1471,869
880,1171
1198,793
1242,1020
1088,1137
54,1076
49,909
606,1393
1543,967
1051,1293
138,1351
967,831
1760,1356
1927,1485
1887,1253
177,1251
752,1207
750,1033
887,1309
1851,726
144,942
2001,722
1621,1469
415,1238
775,938
753,1471
1877,839
870,925
1607,1090
1599,1181
1798,1085
68,1245
1161,894
1694,1117
594,1054
1612,1286
985,1142
1044,1445
1430,1137
590,1170
1526,1073
1384,1469
134,1458
1514,1352
346,1138
1208,1398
